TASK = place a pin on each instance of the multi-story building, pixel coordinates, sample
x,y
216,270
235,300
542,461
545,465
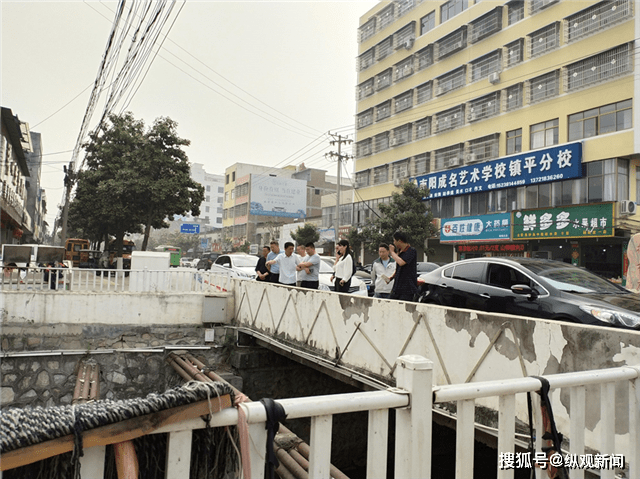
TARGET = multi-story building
x,y
258,198
36,197
518,115
14,143
211,208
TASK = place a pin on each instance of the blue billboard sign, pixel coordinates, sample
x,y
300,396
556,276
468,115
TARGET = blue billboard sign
x,y
495,227
190,228
540,166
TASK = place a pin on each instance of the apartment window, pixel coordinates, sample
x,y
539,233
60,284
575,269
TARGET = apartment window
x,y
226,196
233,176
384,48
545,39
513,97
544,134
208,188
219,221
366,59
450,119
383,110
382,141
485,148
207,198
544,87
428,23
514,141
452,8
365,89
515,11
404,68
599,121
514,52
363,148
599,68
220,190
486,25
404,6
449,157
386,17
607,180
484,107
425,57
380,175
226,179
452,43
637,184
423,128
219,200
597,18
383,79
420,164
219,209
365,118
424,92
362,179
400,169
206,209
451,81
402,135
539,5
367,30
404,101
484,66
405,35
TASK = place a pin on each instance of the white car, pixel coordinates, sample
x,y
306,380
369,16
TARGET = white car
x,y
237,264
357,285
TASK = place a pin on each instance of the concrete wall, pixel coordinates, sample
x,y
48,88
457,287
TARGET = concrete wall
x,y
368,334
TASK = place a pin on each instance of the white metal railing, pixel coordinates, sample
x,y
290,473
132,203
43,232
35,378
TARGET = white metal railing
x,y
110,280
414,400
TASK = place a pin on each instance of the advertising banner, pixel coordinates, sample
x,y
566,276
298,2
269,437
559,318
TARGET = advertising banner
x,y
540,166
273,196
495,227
582,221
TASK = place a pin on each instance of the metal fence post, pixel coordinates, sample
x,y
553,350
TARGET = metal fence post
x,y
413,424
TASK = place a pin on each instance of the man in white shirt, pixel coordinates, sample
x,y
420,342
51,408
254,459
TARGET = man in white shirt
x,y
382,270
287,263
309,268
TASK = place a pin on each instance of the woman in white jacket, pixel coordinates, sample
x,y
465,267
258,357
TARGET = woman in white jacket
x,y
343,269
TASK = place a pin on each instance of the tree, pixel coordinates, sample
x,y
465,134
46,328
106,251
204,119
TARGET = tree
x,y
406,212
133,177
306,234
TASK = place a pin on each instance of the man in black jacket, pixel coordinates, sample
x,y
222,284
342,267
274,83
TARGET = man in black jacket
x,y
261,268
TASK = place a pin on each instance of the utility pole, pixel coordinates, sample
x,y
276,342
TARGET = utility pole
x,y
339,140
69,180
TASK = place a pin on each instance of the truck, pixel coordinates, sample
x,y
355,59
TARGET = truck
x,y
72,247
109,256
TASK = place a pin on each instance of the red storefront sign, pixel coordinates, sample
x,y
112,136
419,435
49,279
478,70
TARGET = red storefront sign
x,y
492,248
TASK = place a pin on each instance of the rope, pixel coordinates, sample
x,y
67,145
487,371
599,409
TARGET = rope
x,y
20,427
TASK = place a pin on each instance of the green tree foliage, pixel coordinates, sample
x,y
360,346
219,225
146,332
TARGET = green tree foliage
x,y
306,234
174,238
406,212
133,177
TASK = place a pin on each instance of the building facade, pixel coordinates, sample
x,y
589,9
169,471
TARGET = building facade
x,y
258,199
518,116
36,197
211,209
15,221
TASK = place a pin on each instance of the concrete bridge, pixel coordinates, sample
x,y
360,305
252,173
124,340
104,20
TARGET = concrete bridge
x,y
475,357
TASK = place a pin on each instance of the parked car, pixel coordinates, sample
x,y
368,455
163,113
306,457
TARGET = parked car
x,y
532,287
242,264
186,262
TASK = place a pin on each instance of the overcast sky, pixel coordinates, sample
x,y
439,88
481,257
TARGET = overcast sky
x,y
251,82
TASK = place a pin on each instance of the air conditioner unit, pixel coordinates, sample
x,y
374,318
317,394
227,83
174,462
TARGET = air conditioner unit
x,y
628,207
393,142
455,161
397,182
471,116
471,157
408,43
494,78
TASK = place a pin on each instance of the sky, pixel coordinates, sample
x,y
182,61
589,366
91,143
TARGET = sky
x,y
250,82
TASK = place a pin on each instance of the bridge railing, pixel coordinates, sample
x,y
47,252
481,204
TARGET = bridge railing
x,y
110,280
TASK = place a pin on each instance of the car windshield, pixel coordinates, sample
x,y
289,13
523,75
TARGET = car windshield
x,y
577,280
244,261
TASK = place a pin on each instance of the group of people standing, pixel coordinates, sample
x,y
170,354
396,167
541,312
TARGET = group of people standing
x,y
394,273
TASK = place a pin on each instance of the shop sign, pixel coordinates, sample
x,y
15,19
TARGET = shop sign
x,y
495,227
541,166
492,248
582,221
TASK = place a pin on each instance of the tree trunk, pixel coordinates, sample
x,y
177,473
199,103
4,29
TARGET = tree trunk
x,y
147,232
